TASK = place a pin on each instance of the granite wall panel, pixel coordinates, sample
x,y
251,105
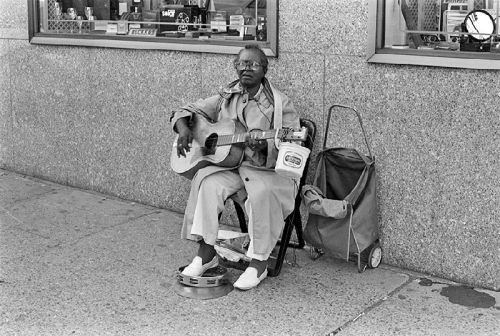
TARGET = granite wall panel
x,y
102,122
98,119
14,21
437,161
5,102
337,26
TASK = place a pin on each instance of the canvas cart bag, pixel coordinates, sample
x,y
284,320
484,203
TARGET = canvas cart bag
x,y
342,201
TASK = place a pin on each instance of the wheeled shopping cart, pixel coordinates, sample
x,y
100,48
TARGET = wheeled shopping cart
x,y
342,203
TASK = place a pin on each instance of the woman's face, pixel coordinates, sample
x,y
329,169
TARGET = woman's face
x,y
250,76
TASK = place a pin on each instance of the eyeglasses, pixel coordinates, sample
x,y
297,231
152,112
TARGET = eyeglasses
x,y
243,65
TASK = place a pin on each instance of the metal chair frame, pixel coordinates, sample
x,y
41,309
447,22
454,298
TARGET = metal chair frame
x,y
294,220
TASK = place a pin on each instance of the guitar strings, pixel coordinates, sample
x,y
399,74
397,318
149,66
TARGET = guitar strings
x,y
227,139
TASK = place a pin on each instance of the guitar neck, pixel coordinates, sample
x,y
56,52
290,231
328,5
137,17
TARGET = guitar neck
x,y
226,140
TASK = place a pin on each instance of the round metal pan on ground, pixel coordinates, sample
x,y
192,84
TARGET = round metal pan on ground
x,y
214,283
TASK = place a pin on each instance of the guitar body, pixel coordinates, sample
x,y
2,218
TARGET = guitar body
x,y
203,151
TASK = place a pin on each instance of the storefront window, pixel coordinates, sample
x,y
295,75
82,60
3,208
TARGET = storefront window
x,y
449,33
221,26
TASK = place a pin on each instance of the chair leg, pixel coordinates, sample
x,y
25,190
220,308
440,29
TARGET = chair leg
x,y
295,216
240,213
274,270
299,231
292,221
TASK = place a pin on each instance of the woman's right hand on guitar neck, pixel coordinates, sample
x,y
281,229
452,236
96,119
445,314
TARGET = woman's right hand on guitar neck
x,y
185,137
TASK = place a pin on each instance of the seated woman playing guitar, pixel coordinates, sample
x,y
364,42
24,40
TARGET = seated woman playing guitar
x,y
253,102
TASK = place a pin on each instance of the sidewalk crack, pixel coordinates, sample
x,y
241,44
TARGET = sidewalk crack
x,y
373,306
129,220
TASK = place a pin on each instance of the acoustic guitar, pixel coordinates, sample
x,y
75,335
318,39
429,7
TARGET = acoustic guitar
x,y
222,144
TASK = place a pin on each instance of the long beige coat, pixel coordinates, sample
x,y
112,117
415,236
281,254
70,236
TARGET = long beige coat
x,y
268,212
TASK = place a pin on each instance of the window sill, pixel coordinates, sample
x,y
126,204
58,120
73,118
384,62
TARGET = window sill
x,y
442,58
161,43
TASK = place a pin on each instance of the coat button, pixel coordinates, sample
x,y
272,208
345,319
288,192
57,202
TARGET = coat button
x,y
247,179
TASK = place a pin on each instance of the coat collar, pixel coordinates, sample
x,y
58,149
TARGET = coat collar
x,y
235,87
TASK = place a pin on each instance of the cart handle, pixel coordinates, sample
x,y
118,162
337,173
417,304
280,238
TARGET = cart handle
x,y
360,123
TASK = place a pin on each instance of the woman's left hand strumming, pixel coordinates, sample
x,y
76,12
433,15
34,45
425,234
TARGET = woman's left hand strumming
x,y
255,143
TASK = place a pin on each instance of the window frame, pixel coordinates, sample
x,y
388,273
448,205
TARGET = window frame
x,y
376,53
270,47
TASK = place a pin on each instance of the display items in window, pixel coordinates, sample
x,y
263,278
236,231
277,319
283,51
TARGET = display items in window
x,y
453,25
239,20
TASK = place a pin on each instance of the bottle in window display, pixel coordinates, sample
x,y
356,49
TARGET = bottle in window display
x,y
251,24
137,6
58,10
135,15
261,29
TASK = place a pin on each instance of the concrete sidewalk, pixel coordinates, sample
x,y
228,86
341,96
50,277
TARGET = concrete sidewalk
x,y
74,262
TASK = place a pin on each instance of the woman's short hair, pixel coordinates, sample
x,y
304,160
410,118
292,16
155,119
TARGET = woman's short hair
x,y
263,58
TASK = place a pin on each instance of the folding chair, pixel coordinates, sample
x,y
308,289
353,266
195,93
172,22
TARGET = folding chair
x,y
294,220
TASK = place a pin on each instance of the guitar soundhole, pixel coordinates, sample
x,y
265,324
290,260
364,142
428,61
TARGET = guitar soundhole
x,y
211,144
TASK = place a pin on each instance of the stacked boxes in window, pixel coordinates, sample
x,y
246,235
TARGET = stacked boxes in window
x,y
185,18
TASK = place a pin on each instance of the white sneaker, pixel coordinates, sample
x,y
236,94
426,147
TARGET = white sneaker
x,y
249,279
196,268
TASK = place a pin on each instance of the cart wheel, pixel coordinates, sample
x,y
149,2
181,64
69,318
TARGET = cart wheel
x,y
375,256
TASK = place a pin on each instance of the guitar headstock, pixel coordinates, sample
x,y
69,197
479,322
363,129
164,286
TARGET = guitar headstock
x,y
288,134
